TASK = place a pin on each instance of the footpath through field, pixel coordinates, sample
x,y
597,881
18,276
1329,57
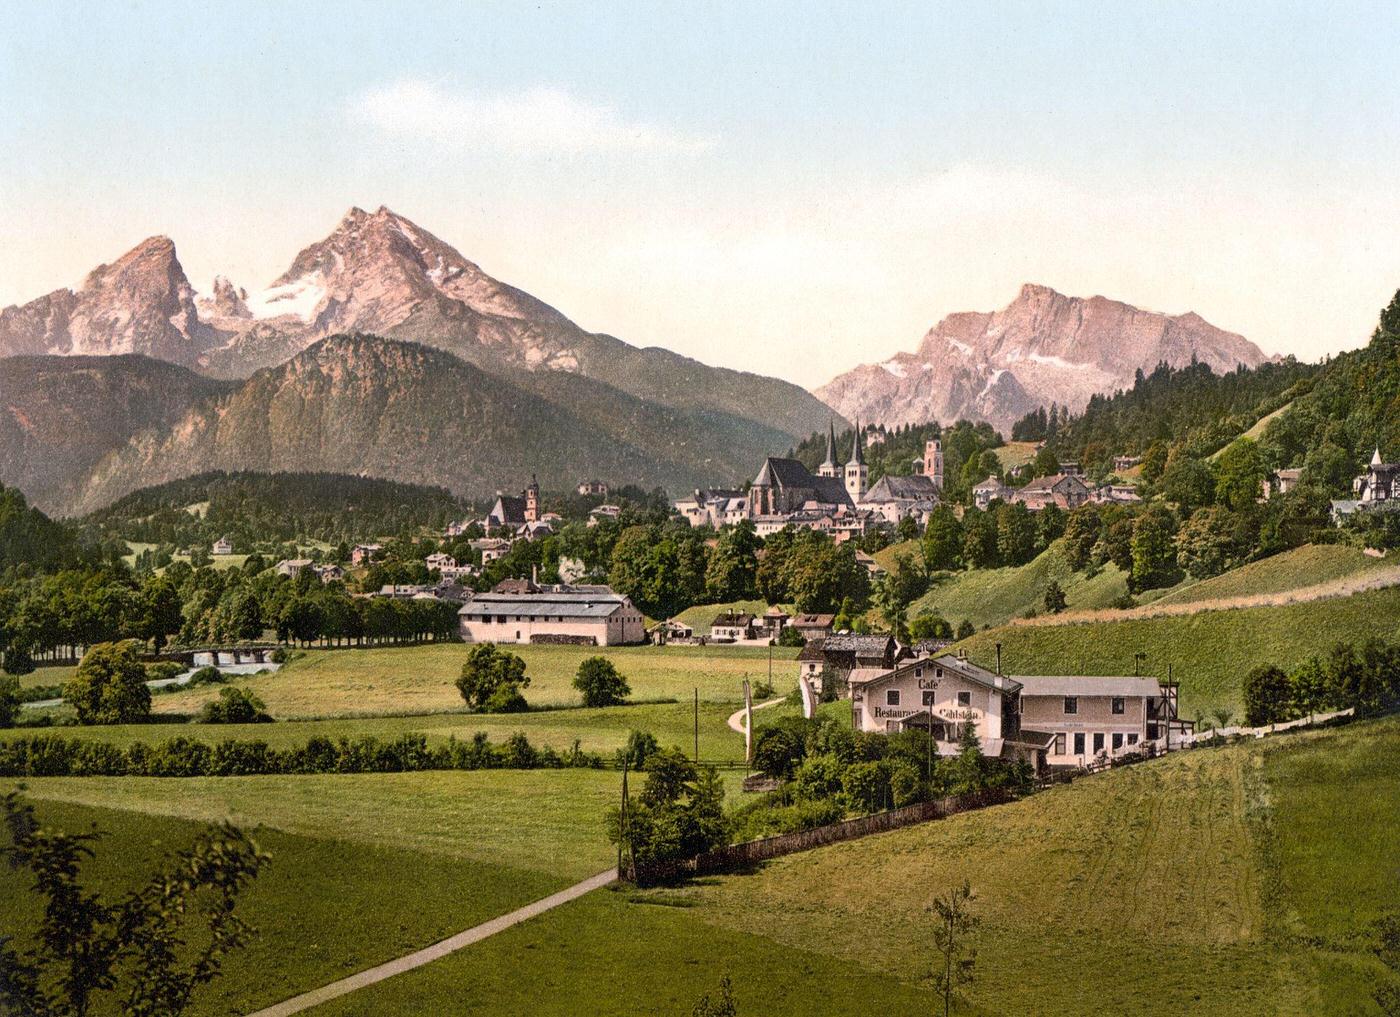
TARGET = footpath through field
x,y
428,954
736,719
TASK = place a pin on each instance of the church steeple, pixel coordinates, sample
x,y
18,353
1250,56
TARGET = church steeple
x,y
828,468
857,475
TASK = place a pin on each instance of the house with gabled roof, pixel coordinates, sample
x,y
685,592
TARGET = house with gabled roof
x,y
1062,489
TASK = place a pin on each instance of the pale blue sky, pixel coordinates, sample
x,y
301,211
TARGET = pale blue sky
x,y
734,181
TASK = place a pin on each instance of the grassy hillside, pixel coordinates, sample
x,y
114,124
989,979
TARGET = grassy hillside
x,y
702,616
1210,651
1303,566
1186,885
995,596
1206,883
1016,453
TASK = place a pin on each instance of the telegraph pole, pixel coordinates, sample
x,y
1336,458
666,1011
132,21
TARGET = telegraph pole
x,y
697,726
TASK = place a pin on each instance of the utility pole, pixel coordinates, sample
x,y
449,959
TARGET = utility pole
x,y
697,726
622,819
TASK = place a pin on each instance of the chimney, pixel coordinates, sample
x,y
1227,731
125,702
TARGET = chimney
x,y
998,658
534,575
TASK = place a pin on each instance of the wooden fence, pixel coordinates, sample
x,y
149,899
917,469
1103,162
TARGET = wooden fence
x,y
738,857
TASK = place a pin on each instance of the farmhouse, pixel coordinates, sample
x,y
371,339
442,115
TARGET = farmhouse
x,y
291,566
222,546
1122,464
593,488
733,627
439,560
363,554
526,613
988,491
813,626
1063,489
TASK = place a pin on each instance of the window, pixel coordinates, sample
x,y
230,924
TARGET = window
x,y
1098,741
928,698
918,672
938,672
1117,741
964,698
1071,704
1059,749
1152,731
1132,738
892,697
1079,743
1117,704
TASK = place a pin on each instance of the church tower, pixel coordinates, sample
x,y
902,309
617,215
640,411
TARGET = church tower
x,y
828,468
857,474
933,462
532,501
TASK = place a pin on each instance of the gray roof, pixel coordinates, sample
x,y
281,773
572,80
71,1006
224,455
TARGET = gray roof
x,y
917,487
585,603
512,509
1048,483
784,473
1088,685
857,644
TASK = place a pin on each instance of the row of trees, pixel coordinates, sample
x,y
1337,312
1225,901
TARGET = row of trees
x,y
1365,678
64,612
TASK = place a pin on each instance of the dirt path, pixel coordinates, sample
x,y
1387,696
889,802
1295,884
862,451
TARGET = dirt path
x,y
428,954
736,719
1344,587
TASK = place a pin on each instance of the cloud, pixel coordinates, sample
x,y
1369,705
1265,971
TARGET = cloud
x,y
539,119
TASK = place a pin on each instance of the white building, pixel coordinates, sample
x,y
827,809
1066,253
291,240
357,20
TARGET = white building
x,y
583,615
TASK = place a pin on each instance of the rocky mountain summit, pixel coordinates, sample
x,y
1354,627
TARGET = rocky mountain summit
x,y
376,272
141,303
1041,348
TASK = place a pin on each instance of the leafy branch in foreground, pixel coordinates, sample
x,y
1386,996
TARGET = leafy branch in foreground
x,y
152,947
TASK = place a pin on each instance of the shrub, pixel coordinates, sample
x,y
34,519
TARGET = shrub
x,y
789,636
163,670
9,700
779,749
819,777
1266,695
207,675
234,706
600,682
866,786
641,745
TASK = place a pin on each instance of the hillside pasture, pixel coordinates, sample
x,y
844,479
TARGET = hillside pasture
x,y
995,596
1295,569
1210,651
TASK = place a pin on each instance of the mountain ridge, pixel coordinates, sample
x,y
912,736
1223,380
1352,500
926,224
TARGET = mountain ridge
x,y
362,405
380,273
1041,348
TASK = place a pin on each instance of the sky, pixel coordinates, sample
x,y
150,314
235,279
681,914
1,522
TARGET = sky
x,y
787,188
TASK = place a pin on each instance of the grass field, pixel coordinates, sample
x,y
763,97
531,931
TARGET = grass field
x,y
1163,888
888,557
1210,651
1300,567
419,679
546,820
1016,453
324,907
995,596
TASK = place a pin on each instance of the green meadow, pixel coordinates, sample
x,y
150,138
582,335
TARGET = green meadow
x,y
419,679
1210,882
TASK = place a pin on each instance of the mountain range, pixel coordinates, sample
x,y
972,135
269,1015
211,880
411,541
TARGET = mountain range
x,y
1042,348
381,350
